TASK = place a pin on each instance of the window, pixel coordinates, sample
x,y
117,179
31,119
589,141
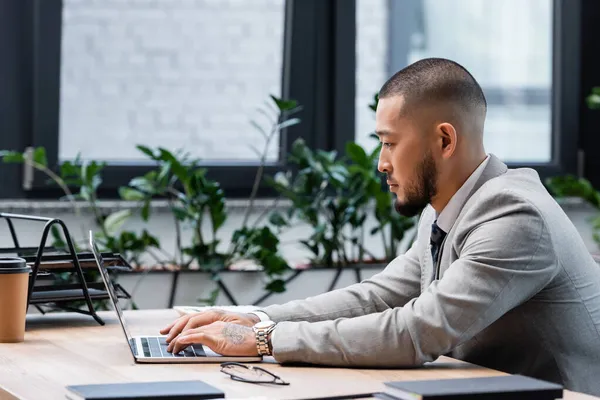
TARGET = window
x,y
178,74
507,45
99,77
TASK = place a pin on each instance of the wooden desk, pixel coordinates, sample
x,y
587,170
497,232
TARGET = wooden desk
x,y
68,349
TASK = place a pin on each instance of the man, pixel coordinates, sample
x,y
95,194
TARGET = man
x,y
498,275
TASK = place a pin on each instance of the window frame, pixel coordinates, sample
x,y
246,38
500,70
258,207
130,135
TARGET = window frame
x,y
566,55
319,72
313,28
564,94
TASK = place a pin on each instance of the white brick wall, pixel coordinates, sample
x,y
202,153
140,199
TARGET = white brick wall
x,y
175,73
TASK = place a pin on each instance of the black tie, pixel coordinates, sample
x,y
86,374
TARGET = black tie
x,y
437,237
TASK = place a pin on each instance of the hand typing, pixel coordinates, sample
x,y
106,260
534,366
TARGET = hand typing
x,y
202,319
225,338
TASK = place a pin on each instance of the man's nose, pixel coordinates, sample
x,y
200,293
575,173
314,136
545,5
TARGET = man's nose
x,y
383,165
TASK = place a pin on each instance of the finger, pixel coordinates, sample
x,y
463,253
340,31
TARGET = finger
x,y
196,338
173,346
168,328
194,322
176,329
199,320
181,342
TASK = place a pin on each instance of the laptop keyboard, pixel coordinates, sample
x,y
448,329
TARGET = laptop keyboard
x,y
133,345
157,347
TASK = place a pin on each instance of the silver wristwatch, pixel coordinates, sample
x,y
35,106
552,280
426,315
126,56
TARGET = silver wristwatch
x,y
262,330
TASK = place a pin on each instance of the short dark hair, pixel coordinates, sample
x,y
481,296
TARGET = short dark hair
x,y
436,80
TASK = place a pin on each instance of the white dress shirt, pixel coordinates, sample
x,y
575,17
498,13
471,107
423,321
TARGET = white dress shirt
x,y
448,216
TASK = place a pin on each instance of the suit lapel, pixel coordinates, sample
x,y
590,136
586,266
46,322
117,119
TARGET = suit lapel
x,y
493,169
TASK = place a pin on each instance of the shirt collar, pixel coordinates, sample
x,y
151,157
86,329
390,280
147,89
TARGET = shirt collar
x,y
448,216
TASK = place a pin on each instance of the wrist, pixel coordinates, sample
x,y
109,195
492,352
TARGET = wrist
x,y
263,332
254,318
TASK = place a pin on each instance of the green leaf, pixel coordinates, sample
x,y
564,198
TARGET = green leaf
x,y
358,154
115,221
96,182
39,156
180,213
68,170
149,240
176,166
145,211
164,172
147,151
568,185
142,184
284,105
85,193
288,123
277,219
593,101
276,286
218,216
130,194
12,157
373,106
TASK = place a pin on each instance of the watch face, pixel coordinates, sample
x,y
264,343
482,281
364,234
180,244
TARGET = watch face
x,y
264,324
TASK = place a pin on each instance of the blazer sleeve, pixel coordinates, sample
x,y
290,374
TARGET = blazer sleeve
x,y
393,287
506,258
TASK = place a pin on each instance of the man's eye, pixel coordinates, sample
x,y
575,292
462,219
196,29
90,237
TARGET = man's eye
x,y
384,144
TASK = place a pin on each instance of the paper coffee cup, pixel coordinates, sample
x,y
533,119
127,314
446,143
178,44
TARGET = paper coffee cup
x,y
14,284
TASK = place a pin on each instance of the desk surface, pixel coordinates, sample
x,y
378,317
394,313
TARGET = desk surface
x,y
68,349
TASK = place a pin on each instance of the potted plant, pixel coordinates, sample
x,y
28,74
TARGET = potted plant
x,y
198,203
335,196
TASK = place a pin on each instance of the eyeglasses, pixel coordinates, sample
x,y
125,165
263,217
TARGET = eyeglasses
x,y
250,374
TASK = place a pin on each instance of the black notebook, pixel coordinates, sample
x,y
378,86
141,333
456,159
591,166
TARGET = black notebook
x,y
489,388
175,390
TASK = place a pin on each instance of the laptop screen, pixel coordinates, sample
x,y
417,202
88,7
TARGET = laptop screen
x,y
111,292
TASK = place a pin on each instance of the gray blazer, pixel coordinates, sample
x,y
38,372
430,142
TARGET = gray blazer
x,y
517,291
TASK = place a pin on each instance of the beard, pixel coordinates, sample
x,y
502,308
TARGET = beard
x,y
420,192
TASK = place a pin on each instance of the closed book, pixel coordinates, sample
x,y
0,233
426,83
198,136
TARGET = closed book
x,y
171,390
489,388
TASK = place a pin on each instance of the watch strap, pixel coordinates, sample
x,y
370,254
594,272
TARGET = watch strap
x,y
262,340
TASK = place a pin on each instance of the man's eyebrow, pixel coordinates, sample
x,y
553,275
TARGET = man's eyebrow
x,y
382,133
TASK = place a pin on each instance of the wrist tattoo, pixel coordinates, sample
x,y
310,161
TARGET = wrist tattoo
x,y
235,333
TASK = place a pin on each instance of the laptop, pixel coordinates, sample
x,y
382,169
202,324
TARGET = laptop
x,y
153,349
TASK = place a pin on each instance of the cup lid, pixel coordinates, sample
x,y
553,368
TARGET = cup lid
x,y
13,265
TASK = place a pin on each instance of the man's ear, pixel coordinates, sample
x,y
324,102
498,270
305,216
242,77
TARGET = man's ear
x,y
448,139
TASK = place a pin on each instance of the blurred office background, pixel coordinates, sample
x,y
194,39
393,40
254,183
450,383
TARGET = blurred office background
x,y
95,78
